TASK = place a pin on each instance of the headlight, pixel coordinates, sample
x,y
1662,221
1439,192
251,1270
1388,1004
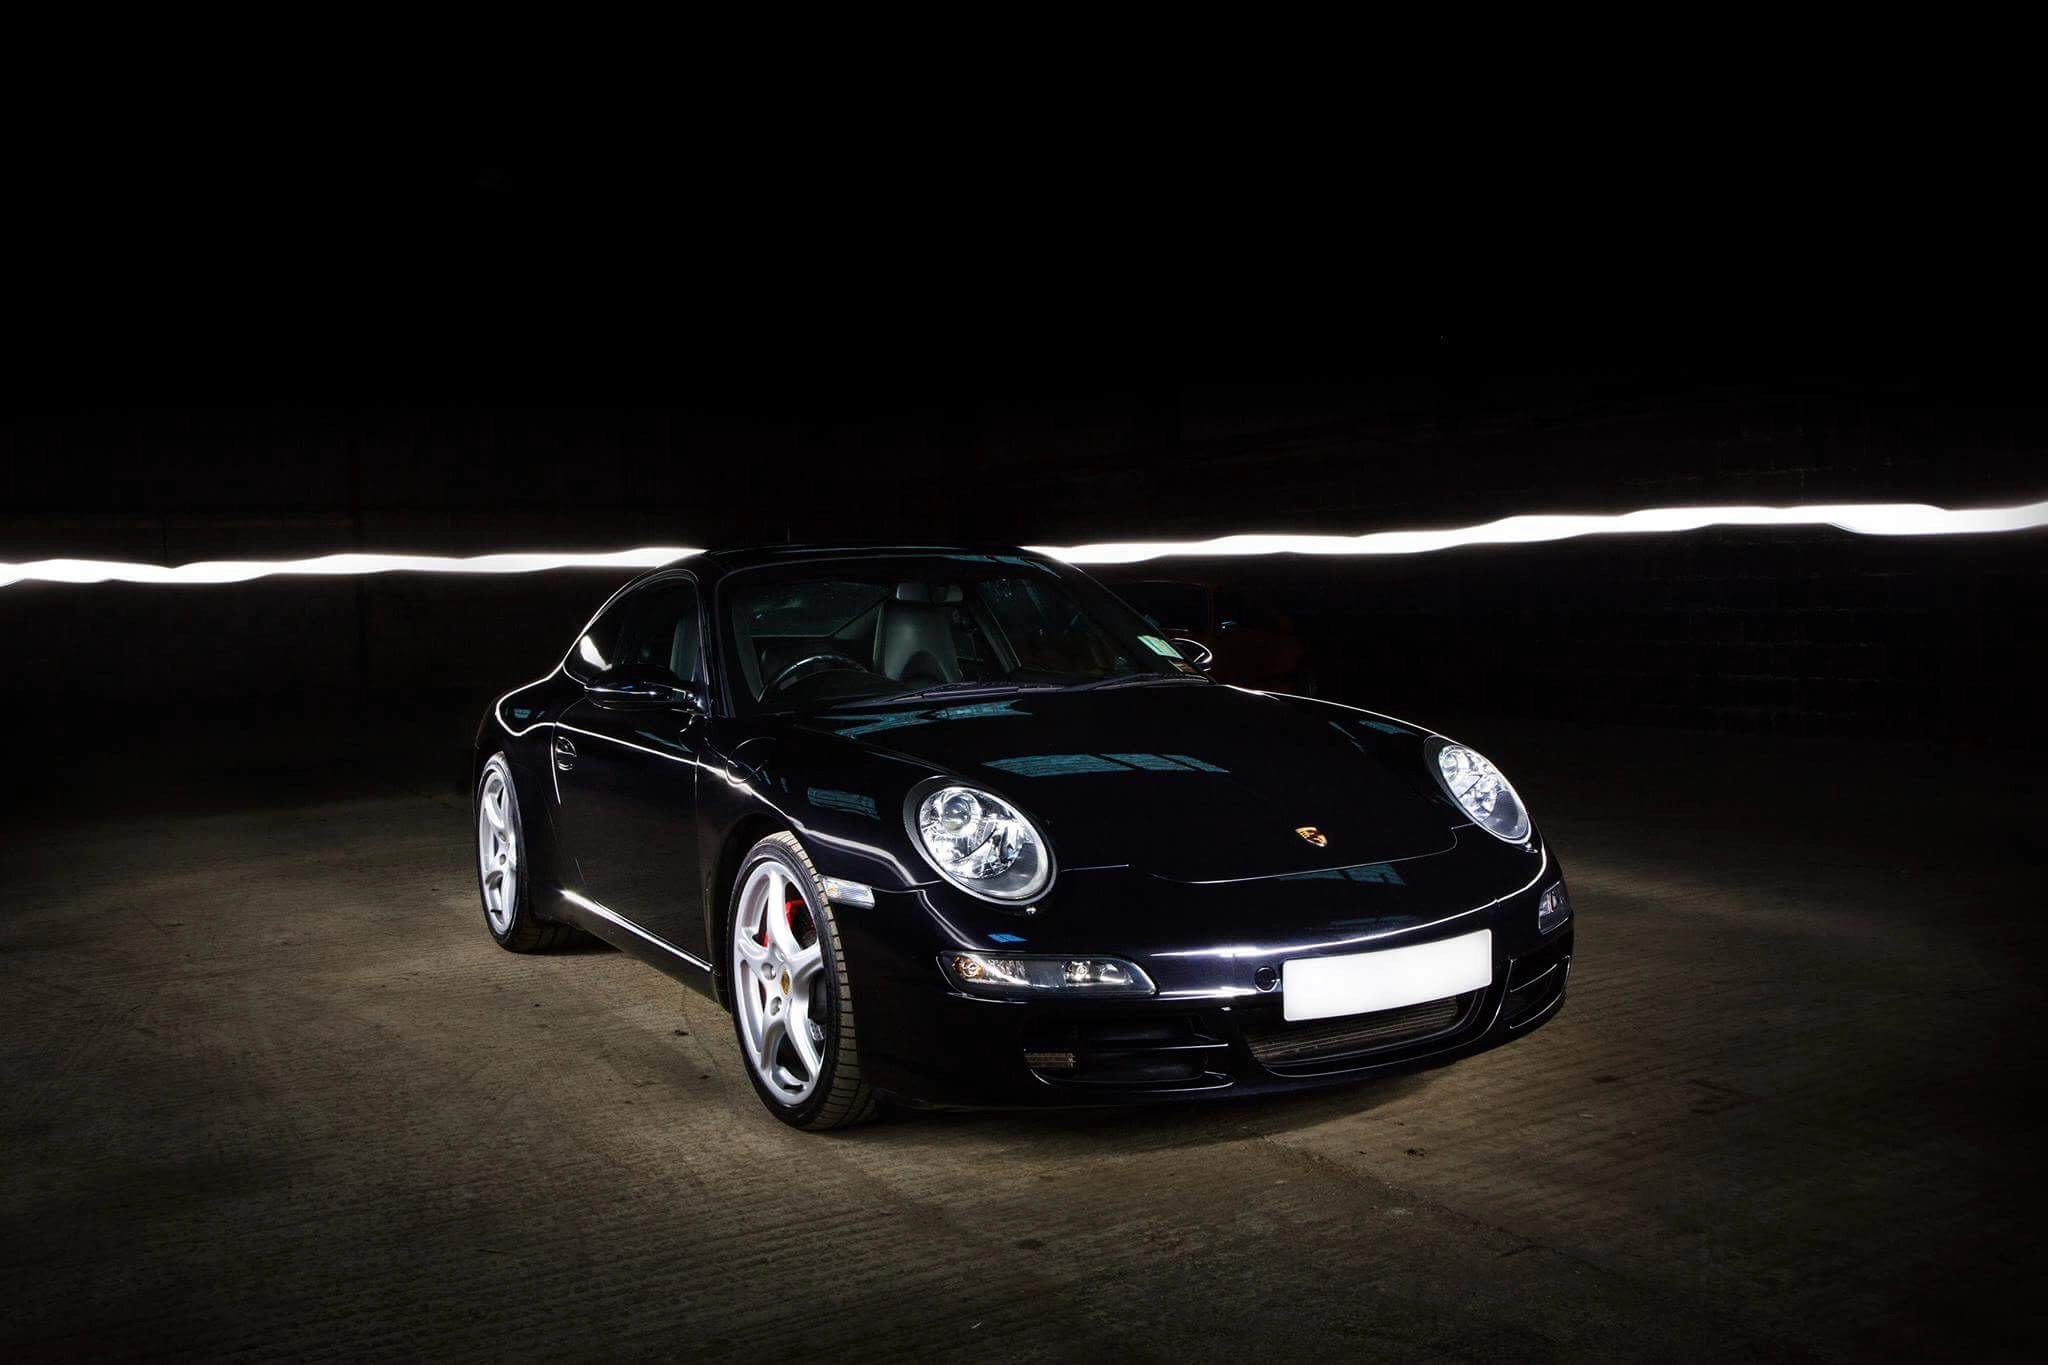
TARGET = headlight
x,y
980,843
1478,787
989,974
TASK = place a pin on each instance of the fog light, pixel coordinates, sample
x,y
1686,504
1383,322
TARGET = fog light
x,y
987,974
1554,909
1096,972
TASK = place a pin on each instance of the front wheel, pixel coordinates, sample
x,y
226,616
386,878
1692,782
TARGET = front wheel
x,y
792,1001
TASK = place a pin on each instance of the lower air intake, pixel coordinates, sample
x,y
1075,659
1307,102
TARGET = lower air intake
x,y
1356,1033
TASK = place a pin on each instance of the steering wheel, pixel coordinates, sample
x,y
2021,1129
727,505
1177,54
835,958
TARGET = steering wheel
x,y
811,665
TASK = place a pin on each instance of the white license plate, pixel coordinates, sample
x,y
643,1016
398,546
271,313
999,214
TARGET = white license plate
x,y
1359,983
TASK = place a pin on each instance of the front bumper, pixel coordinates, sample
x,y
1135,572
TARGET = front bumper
x,y
1209,1034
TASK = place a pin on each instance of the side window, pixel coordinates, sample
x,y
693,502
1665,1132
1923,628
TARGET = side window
x,y
661,629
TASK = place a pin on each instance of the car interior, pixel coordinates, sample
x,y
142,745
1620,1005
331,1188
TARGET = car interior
x,y
824,639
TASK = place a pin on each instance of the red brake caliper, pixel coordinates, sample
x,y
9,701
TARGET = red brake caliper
x,y
789,909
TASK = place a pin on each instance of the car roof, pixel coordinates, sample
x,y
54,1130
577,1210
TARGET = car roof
x,y
750,555
711,565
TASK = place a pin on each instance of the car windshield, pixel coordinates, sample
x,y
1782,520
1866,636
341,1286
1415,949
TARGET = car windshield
x,y
845,631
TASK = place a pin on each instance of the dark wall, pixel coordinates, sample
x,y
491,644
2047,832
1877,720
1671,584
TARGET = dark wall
x,y
1800,630
1792,631
1364,454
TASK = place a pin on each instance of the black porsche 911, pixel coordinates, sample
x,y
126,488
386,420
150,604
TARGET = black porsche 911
x,y
952,826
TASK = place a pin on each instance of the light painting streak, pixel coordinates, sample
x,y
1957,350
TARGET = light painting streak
x,y
1863,519
326,566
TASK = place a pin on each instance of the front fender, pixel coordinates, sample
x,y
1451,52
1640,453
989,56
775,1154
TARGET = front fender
x,y
844,802
527,755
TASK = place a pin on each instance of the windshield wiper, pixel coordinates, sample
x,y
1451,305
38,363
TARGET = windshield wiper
x,y
964,688
1139,680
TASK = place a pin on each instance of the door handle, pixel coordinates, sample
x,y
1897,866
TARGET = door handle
x,y
565,754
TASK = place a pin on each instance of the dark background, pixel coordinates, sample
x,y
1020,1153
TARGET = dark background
x,y
234,345
277,1090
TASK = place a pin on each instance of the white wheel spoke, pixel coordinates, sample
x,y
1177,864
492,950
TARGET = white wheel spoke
x,y
772,1033
779,931
745,943
800,1037
803,966
751,1013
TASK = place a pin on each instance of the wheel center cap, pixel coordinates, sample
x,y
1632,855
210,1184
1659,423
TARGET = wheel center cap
x,y
785,983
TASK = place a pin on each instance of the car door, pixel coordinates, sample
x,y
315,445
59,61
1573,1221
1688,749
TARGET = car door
x,y
626,765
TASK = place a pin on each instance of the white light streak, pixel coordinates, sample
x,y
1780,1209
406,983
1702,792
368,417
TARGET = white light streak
x,y
326,566
1865,519
1861,518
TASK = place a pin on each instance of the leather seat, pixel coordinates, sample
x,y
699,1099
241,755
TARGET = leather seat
x,y
913,638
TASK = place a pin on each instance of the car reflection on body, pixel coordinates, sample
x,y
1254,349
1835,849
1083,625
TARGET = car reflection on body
x,y
957,827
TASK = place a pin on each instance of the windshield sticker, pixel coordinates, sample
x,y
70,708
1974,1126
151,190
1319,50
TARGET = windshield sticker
x,y
1159,646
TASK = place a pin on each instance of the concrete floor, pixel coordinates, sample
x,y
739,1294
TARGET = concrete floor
x,y
271,1089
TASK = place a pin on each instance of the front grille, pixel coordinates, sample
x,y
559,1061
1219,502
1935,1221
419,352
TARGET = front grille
x,y
1324,1039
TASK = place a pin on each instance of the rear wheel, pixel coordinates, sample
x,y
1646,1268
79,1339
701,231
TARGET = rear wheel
x,y
501,868
792,1000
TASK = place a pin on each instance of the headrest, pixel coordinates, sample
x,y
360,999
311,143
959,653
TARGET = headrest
x,y
926,592
913,642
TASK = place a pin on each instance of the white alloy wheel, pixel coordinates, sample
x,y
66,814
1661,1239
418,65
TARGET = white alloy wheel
x,y
503,873
778,983
497,846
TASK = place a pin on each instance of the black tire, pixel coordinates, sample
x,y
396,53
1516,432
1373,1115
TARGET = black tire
x,y
526,931
841,1097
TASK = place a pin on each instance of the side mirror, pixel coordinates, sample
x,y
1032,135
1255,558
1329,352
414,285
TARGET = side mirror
x,y
1196,653
644,685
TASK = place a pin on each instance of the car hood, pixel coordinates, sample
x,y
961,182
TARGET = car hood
x,y
1192,783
